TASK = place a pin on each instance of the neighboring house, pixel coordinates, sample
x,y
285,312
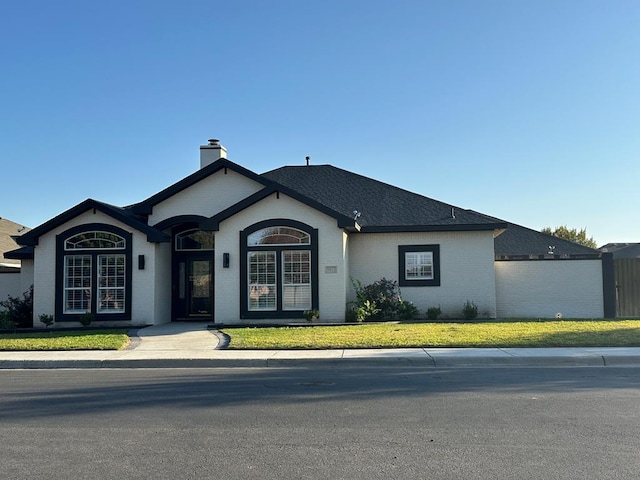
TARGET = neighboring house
x,y
10,279
626,265
228,245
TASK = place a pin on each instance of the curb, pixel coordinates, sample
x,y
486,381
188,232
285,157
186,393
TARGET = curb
x,y
282,362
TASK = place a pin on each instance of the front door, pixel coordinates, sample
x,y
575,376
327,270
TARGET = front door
x,y
193,287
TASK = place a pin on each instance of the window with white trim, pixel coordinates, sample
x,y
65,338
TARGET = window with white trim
x,y
419,265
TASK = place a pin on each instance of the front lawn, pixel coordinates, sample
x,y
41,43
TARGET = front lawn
x,y
65,340
565,333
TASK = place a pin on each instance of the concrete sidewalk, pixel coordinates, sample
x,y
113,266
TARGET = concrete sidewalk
x,y
189,345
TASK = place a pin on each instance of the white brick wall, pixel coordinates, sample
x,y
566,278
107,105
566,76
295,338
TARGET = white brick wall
x,y
466,268
207,197
10,285
542,288
143,303
331,252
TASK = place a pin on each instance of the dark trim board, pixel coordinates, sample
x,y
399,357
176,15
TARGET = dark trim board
x,y
402,281
245,313
146,206
608,286
153,235
59,290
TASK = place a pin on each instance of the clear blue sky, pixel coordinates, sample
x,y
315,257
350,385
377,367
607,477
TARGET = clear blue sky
x,y
527,111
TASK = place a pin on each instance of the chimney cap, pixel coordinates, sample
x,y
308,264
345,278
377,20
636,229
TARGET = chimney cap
x,y
213,141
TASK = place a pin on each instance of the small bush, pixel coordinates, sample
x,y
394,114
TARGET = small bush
x,y
86,319
46,319
407,310
311,315
433,313
351,314
381,300
5,322
469,310
20,310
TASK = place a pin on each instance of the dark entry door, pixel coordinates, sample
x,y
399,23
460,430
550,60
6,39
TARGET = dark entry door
x,y
193,287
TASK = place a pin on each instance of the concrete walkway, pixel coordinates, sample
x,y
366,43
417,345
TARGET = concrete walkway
x,y
188,345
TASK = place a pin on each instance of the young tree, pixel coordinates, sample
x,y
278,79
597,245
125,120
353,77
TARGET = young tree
x,y
573,235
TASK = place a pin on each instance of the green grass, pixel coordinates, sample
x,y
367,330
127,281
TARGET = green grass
x,y
65,340
565,333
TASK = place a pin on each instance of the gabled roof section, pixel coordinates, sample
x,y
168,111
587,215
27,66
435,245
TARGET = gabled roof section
x,y
8,232
123,215
213,223
622,250
23,253
146,206
382,207
519,241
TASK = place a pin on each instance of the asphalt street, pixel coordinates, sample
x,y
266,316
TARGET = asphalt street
x,y
317,423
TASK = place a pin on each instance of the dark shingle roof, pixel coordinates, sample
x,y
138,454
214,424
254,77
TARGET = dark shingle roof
x,y
124,215
382,207
518,240
622,250
9,230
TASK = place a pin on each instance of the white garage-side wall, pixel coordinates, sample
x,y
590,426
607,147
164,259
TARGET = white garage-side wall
x,y
10,285
543,288
466,268
206,197
332,276
44,272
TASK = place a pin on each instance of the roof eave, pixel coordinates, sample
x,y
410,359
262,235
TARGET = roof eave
x,y
31,238
433,228
146,206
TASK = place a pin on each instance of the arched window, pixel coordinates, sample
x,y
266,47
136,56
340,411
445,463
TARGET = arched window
x,y
279,269
279,236
95,240
194,239
94,266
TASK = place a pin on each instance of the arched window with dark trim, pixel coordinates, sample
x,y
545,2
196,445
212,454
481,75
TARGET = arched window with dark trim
x,y
93,272
279,272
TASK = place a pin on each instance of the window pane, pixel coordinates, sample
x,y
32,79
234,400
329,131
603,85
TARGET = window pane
x,y
296,279
262,280
94,240
418,265
195,240
279,236
111,283
77,283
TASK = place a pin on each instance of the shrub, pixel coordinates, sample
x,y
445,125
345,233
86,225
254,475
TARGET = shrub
x,y
407,310
5,322
311,315
381,300
86,319
46,319
469,310
433,313
20,310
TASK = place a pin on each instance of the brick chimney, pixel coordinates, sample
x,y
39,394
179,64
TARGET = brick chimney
x,y
211,152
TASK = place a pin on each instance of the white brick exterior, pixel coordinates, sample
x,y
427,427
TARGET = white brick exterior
x,y
332,287
144,308
543,288
466,268
10,284
207,197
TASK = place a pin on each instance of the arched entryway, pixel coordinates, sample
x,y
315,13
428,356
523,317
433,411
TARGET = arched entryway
x,y
192,273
